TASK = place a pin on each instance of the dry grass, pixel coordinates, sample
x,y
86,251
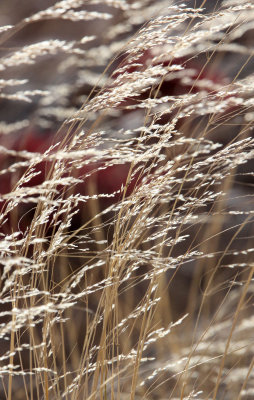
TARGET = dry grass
x,y
127,235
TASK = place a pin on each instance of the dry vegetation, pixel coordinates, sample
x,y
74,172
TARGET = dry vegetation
x,y
126,238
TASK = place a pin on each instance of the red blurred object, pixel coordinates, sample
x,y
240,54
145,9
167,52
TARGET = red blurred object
x,y
105,180
110,179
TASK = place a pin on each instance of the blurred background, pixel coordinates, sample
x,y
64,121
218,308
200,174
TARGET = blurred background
x,y
43,90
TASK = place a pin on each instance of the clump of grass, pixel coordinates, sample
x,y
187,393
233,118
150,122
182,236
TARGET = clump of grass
x,y
126,234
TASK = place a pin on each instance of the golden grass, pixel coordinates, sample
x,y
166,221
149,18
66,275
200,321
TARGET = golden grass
x,y
126,235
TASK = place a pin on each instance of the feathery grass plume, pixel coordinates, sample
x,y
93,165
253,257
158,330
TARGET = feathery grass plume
x,y
126,196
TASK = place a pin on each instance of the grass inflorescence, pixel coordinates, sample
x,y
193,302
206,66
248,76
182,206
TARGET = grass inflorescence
x,y
126,192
